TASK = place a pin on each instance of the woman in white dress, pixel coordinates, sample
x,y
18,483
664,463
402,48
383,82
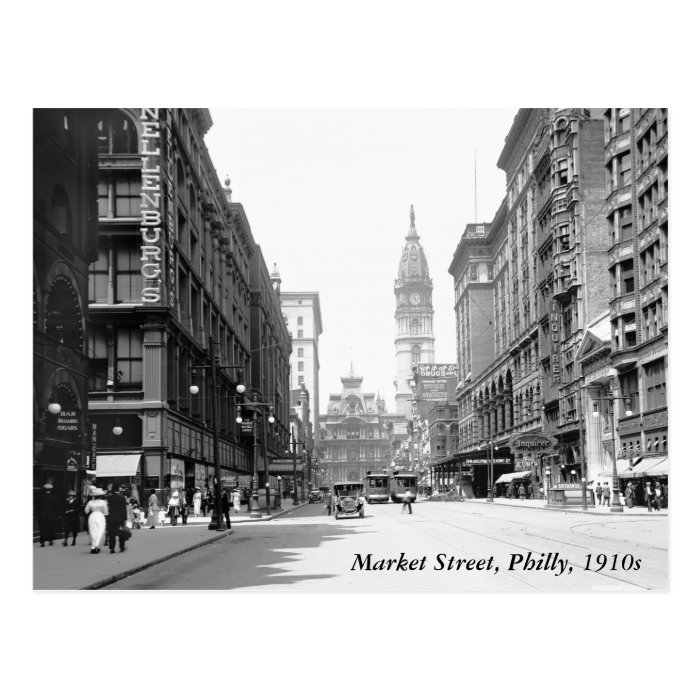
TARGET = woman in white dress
x,y
96,510
197,501
173,507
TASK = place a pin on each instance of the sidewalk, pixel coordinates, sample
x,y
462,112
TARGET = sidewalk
x,y
69,568
591,510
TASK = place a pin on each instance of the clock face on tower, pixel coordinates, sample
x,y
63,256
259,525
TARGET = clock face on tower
x,y
414,298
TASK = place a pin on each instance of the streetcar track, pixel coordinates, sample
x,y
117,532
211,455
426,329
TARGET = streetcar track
x,y
641,545
519,546
630,542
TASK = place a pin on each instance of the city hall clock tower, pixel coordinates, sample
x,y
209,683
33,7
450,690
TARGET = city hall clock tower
x,y
415,341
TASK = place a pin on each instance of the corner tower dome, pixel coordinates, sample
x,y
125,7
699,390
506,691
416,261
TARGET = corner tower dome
x,y
414,264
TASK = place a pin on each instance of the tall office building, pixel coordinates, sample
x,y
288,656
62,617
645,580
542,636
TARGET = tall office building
x,y
303,315
177,274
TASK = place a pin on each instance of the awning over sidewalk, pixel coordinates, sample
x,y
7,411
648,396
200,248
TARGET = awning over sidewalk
x,y
117,465
649,466
507,478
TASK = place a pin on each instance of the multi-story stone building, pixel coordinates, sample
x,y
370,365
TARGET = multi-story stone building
x,y
636,172
177,275
547,248
415,341
353,437
303,314
270,353
65,234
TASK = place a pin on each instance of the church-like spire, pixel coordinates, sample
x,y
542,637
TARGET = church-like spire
x,y
413,263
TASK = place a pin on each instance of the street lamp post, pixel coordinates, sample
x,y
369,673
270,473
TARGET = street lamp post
x,y
260,408
584,466
489,485
213,367
279,490
294,467
616,506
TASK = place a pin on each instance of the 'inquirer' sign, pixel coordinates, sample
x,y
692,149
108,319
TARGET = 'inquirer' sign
x,y
534,444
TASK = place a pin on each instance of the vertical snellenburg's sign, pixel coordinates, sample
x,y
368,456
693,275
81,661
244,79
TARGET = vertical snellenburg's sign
x,y
151,219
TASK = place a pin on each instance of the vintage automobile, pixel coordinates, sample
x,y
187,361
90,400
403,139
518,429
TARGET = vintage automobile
x,y
315,496
348,499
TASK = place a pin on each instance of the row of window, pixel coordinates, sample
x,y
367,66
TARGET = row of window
x,y
352,433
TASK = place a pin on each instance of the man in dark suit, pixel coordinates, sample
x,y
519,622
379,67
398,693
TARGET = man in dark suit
x,y
116,519
71,517
47,513
225,505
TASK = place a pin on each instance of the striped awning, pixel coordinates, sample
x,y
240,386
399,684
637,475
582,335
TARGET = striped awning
x,y
118,465
649,466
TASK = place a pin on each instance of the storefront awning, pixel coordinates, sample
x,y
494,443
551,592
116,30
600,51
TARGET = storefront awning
x,y
658,469
507,478
649,466
117,465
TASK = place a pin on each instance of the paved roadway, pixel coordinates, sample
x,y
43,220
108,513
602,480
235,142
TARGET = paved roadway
x,y
306,550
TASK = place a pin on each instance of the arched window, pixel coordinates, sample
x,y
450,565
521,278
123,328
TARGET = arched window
x,y
560,132
116,133
64,320
415,354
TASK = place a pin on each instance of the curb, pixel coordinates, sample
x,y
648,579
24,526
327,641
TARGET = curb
x,y
102,583
578,509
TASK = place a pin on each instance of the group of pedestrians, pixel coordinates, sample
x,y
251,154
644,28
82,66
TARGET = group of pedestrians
x,y
522,491
107,516
654,496
602,494
202,501
107,519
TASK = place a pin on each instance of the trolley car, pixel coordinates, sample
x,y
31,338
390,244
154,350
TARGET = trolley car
x,y
377,490
401,482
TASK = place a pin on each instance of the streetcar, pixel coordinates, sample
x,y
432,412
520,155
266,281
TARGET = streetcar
x,y
401,482
377,490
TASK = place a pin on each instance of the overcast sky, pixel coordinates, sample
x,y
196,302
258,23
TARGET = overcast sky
x,y
327,193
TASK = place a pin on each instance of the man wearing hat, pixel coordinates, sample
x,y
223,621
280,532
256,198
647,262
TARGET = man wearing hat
x,y
71,518
116,519
46,510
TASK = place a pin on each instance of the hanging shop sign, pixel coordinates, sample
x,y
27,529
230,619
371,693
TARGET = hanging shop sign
x,y
157,244
151,219
93,446
554,359
247,426
534,444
